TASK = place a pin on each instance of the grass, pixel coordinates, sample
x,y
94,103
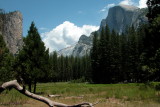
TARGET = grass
x,y
115,95
12,97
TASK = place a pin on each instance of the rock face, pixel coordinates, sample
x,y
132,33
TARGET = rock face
x,y
66,51
119,17
11,29
122,16
79,49
83,46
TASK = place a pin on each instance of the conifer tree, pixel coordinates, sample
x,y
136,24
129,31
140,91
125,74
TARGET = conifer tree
x,y
94,58
152,38
114,57
33,60
6,62
53,66
123,56
153,9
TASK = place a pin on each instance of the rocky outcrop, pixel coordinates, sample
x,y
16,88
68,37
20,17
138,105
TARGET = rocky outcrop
x,y
11,29
85,40
79,49
66,51
119,17
122,16
83,46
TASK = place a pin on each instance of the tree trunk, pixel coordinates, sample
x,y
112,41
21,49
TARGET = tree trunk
x,y
50,103
30,87
35,83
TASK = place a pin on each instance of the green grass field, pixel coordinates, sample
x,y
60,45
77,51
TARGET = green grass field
x,y
108,95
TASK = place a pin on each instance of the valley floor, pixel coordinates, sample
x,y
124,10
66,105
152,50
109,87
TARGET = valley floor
x,y
107,95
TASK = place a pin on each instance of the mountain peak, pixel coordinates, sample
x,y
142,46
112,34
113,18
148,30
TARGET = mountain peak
x,y
127,7
119,17
66,51
122,16
85,40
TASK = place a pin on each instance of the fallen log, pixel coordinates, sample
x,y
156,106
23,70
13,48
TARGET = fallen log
x,y
54,96
50,103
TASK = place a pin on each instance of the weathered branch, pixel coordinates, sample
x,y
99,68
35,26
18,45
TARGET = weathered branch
x,y
14,84
54,96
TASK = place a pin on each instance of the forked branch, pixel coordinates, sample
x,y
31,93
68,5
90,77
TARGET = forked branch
x,y
50,103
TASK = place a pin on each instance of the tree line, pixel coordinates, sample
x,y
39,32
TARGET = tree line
x,y
116,58
69,68
34,63
132,56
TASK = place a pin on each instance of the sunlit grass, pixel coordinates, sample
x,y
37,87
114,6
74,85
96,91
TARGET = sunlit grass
x,y
12,97
131,93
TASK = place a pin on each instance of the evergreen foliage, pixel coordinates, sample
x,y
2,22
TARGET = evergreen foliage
x,y
132,56
6,62
69,68
32,61
152,39
117,58
153,9
94,58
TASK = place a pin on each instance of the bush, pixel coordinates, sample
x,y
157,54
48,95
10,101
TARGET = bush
x,y
81,80
146,86
157,87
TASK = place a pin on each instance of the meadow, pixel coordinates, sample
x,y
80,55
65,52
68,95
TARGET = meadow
x,y
107,95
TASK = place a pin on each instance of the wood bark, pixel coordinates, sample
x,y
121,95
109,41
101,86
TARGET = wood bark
x,y
50,103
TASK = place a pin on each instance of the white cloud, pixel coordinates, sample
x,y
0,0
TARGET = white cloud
x,y
65,35
107,7
110,5
103,10
142,4
126,2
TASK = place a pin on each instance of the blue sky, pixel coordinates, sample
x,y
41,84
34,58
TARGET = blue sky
x,y
49,14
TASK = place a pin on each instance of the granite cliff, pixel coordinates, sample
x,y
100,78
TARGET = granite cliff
x,y
122,16
119,17
79,49
83,46
11,29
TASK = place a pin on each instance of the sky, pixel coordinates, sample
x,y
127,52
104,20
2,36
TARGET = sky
x,y
61,22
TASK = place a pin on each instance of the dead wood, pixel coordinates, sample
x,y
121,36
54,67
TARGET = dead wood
x,y
50,103
54,96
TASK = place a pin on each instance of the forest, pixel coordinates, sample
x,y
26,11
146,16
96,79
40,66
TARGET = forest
x,y
130,57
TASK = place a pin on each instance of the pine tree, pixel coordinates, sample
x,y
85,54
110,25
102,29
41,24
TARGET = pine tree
x,y
87,68
54,66
94,59
114,57
157,65
33,60
153,9
6,62
152,38
104,56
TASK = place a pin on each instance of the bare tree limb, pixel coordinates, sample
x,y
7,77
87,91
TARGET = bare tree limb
x,y
54,96
50,103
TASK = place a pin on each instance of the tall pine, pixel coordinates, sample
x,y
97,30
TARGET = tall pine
x,y
33,60
94,59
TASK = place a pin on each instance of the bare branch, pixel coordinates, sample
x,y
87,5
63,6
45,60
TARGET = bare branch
x,y
54,96
50,103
